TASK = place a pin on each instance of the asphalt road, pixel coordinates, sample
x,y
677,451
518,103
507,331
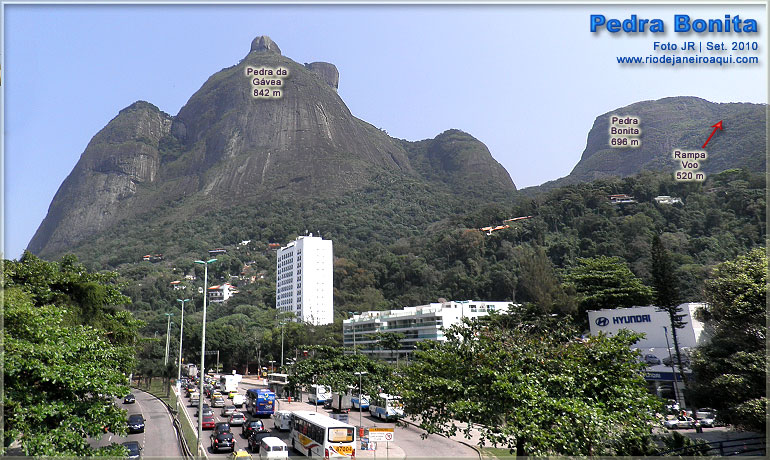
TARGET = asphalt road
x,y
159,437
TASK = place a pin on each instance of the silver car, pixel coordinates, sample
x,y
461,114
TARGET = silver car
x,y
228,410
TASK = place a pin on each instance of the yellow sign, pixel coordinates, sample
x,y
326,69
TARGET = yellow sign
x,y
345,450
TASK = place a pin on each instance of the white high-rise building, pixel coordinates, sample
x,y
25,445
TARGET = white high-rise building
x,y
304,280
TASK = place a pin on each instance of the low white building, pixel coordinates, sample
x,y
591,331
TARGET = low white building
x,y
221,292
424,322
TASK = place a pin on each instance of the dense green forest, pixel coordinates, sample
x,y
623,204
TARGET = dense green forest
x,y
390,258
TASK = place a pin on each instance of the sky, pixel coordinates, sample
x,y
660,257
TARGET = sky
x,y
527,80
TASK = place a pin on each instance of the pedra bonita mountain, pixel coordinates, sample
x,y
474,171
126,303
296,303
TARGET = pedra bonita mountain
x,y
227,147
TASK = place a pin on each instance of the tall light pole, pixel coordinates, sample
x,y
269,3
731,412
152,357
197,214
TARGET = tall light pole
x,y
282,323
360,409
202,371
179,364
168,337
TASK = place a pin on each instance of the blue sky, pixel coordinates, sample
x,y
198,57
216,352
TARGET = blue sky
x,y
527,80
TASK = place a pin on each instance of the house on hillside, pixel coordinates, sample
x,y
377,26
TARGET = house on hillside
x,y
665,199
221,292
178,286
621,199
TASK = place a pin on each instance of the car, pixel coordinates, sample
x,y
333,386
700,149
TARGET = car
x,y
252,426
134,449
216,394
218,401
255,438
228,410
222,441
208,422
240,454
129,399
206,411
237,419
669,359
222,427
135,423
680,422
707,422
239,400
232,394
651,360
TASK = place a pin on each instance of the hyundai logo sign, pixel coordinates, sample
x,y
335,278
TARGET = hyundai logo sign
x,y
602,321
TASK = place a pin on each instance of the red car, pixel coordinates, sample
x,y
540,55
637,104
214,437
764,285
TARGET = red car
x,y
208,422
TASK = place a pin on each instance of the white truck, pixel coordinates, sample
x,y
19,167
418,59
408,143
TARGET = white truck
x,y
230,382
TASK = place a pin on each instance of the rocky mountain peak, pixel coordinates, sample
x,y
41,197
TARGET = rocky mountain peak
x,y
327,71
264,43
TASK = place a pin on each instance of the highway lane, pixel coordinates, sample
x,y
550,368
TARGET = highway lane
x,y
408,441
159,437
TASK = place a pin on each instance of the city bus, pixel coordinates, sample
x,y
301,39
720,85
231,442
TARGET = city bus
x,y
386,407
318,394
318,435
260,402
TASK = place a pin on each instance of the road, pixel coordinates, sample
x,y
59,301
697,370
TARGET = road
x,y
408,441
159,438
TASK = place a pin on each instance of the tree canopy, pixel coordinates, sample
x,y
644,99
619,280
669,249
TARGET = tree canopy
x,y
731,368
533,387
61,376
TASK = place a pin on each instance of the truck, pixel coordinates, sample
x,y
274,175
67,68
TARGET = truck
x,y
230,382
191,370
341,402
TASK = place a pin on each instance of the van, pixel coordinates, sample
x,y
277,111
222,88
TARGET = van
x,y
272,447
282,420
238,400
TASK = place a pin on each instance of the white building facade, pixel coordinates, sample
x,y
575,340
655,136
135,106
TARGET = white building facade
x,y
657,346
305,280
424,322
221,292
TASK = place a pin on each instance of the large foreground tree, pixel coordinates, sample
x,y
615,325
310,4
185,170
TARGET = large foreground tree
x,y
61,375
731,368
533,386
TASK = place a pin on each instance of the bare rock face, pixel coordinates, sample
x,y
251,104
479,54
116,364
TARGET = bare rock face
x,y
327,71
265,43
228,146
123,155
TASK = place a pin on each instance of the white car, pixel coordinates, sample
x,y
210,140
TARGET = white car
x,y
680,422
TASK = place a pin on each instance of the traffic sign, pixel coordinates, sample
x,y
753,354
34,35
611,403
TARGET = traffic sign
x,y
381,434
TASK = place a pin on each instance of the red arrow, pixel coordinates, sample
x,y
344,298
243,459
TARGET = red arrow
x,y
716,127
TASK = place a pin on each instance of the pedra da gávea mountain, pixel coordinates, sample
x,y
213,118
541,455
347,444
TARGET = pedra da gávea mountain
x,y
225,146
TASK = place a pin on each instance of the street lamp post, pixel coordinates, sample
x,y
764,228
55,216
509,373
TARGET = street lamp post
x,y
202,371
272,369
179,364
168,337
282,323
360,409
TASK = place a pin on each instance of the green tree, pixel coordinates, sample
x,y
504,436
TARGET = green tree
x,y
59,381
534,388
666,295
331,367
68,352
605,282
730,369
389,341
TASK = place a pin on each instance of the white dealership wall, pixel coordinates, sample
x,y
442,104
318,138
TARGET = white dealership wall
x,y
649,321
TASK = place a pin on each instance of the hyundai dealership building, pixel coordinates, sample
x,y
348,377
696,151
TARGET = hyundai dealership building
x,y
657,352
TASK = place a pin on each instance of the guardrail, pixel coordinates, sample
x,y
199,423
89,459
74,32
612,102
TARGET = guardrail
x,y
754,446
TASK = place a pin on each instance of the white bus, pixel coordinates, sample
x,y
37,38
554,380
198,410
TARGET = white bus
x,y
318,435
386,407
318,394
